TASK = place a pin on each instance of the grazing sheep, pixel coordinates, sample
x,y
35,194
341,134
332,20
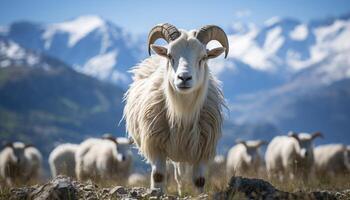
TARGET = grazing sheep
x,y
291,155
331,159
62,160
174,105
244,158
103,159
20,163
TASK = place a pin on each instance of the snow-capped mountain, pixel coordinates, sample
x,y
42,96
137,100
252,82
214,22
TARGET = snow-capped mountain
x,y
90,44
296,76
271,55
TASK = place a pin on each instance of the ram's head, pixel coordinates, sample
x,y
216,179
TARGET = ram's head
x,y
187,54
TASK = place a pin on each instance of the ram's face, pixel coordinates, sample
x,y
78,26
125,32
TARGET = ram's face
x,y
187,54
186,69
18,153
306,146
123,148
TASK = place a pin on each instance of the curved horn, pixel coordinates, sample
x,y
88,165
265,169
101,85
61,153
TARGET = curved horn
x,y
317,134
166,31
28,145
262,142
212,32
239,141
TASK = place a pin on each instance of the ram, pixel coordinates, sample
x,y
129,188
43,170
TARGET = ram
x,y
291,156
62,160
244,158
103,159
332,159
20,163
174,105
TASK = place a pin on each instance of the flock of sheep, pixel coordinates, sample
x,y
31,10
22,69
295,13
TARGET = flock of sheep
x,y
105,158
110,159
173,115
289,157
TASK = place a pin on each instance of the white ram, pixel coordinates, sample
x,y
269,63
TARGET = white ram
x,y
291,156
62,160
244,158
103,159
331,159
20,163
174,105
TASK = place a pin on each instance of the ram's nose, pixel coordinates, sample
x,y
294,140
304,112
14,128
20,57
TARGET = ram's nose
x,y
184,77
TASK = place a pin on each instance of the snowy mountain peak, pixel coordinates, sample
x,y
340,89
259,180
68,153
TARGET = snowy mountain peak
x,y
272,21
77,28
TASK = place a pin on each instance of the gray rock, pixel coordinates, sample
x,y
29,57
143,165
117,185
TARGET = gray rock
x,y
118,190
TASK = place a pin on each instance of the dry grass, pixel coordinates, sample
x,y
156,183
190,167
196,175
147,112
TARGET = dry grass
x,y
335,183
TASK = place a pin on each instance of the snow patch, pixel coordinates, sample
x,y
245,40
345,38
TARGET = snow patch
x,y
103,67
77,29
273,41
100,66
299,33
272,21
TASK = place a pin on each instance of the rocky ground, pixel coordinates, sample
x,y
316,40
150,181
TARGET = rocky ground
x,y
238,188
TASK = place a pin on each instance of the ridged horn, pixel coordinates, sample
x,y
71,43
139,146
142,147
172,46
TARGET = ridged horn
x,y
166,31
211,32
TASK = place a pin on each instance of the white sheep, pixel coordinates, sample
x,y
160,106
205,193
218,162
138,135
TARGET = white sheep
x,y
331,159
20,163
62,160
291,156
103,159
244,158
174,105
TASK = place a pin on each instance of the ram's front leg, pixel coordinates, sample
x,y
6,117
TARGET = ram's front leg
x,y
158,174
199,171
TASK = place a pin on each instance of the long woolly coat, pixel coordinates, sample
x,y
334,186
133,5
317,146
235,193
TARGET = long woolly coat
x,y
157,120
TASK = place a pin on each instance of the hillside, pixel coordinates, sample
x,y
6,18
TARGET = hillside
x,y
50,103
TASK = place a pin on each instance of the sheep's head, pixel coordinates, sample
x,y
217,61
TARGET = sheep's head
x,y
18,152
252,150
187,54
123,148
305,141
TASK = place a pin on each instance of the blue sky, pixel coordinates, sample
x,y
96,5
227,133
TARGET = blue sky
x,y
139,16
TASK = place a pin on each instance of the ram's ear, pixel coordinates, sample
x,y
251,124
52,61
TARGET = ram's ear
x,y
160,50
8,144
262,142
213,53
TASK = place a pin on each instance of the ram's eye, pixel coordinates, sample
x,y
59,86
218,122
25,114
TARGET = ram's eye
x,y
170,57
202,60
